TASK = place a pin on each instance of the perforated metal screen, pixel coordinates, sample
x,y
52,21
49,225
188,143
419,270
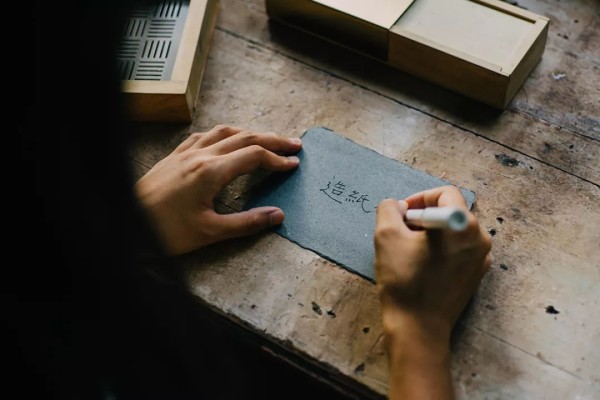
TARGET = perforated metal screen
x,y
150,41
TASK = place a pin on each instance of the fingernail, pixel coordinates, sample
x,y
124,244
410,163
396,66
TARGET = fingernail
x,y
295,141
276,217
403,205
294,159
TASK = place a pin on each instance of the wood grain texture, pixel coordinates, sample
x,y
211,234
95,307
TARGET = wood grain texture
x,y
573,49
382,13
157,100
472,48
532,55
544,220
423,58
201,52
190,37
343,28
480,30
165,107
543,130
174,100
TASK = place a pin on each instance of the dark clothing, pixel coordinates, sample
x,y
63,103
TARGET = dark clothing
x,y
89,315
91,321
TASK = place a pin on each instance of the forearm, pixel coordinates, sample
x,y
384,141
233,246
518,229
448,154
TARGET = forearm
x,y
419,358
425,279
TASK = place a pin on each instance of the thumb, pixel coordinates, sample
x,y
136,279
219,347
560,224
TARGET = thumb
x,y
248,222
390,216
403,207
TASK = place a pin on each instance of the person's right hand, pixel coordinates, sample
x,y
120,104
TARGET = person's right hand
x,y
425,279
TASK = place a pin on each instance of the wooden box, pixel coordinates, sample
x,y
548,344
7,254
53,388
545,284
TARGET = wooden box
x,y
484,49
162,57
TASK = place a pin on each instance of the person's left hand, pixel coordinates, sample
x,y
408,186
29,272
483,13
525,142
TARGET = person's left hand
x,y
179,191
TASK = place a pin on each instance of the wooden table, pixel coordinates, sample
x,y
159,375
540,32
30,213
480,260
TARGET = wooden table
x,y
535,168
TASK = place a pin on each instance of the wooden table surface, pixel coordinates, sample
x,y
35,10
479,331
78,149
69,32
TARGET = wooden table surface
x,y
535,169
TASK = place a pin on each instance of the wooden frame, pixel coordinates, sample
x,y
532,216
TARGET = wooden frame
x,y
174,100
492,83
482,79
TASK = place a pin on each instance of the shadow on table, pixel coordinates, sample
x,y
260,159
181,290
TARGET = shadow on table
x,y
376,76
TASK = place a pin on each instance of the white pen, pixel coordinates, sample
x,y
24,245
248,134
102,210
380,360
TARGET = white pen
x,y
451,218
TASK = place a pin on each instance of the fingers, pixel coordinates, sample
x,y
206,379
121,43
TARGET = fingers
x,y
247,222
487,262
390,236
445,196
187,143
390,221
450,196
248,159
471,236
486,247
486,239
224,139
201,140
269,141
472,229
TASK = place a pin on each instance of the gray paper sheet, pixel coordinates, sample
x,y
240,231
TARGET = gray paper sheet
x,y
330,200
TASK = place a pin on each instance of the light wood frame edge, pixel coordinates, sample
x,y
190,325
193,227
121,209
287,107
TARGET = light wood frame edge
x,y
538,22
537,29
189,40
201,53
510,9
153,87
182,68
448,50
530,59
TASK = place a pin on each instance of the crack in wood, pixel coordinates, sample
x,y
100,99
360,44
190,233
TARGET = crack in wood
x,y
364,87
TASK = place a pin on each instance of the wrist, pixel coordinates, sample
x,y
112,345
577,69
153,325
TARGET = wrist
x,y
416,336
419,356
